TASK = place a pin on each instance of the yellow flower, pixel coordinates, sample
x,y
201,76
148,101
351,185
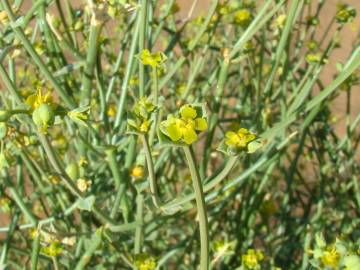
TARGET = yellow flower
x,y
280,21
137,171
240,139
54,179
111,111
53,250
5,205
313,57
345,13
186,127
37,99
330,257
80,115
243,17
252,259
3,17
83,184
144,107
152,59
144,261
144,127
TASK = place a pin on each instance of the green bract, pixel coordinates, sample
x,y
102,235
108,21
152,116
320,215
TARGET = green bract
x,y
43,116
5,115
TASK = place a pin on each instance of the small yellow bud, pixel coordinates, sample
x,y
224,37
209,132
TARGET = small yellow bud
x,y
137,171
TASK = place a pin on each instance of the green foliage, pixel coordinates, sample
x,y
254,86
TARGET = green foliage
x,y
135,136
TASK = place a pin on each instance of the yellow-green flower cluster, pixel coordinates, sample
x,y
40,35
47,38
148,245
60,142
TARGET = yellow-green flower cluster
x,y
53,249
139,118
313,57
80,115
330,257
186,127
155,60
337,255
252,259
5,205
144,261
240,138
243,17
345,13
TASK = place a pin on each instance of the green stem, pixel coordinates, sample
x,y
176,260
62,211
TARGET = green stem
x,y
207,187
35,252
150,167
128,72
95,242
90,62
19,201
139,219
10,85
142,34
111,158
201,208
155,96
29,48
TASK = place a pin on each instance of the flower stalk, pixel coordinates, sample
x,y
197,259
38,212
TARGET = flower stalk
x,y
201,208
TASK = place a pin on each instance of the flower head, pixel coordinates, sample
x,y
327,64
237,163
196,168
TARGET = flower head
x,y
139,118
243,17
79,115
152,59
5,205
83,184
252,259
185,127
239,139
53,249
35,100
144,107
144,261
330,257
345,13
137,171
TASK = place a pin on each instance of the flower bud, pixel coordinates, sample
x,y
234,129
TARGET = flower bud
x,y
72,170
4,115
43,116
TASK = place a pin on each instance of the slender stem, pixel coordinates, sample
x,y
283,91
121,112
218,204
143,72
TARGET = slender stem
x,y
142,34
128,72
111,158
211,183
201,208
95,242
90,61
139,219
155,96
150,167
34,55
20,202
68,182
35,252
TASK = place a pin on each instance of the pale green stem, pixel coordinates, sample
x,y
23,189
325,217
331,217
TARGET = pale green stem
x,y
150,167
139,219
155,96
95,242
35,252
201,208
